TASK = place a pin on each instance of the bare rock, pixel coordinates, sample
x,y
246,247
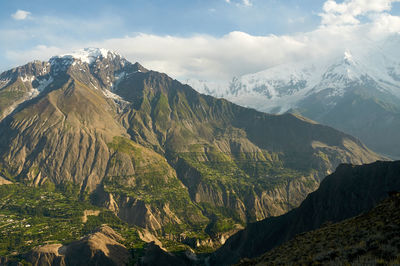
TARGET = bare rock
x,y
99,248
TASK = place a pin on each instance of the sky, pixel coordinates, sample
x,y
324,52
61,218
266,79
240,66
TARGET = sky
x,y
200,39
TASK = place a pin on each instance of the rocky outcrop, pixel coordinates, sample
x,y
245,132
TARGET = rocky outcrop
x,y
4,181
148,237
53,254
99,248
349,191
137,212
214,242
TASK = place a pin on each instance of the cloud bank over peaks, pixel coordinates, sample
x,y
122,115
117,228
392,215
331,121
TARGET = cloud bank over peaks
x,y
349,25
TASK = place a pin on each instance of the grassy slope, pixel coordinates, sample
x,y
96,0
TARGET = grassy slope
x,y
371,238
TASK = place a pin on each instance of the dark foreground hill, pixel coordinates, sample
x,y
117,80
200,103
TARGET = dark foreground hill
x,y
369,239
348,192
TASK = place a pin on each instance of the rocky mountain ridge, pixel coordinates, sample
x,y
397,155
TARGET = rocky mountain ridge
x,y
138,142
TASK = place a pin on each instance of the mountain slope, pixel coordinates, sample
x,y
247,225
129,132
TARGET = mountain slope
x,y
370,238
357,92
100,247
156,152
348,192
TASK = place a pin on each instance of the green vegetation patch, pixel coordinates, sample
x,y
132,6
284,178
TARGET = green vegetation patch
x,y
241,170
153,182
31,216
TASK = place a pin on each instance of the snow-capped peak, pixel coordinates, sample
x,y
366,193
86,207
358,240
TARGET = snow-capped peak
x,y
348,58
86,55
283,87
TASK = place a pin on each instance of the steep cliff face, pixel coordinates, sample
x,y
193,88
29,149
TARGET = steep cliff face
x,y
141,142
349,191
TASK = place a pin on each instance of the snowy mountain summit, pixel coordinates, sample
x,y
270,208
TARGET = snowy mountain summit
x,y
357,91
87,55
283,87
99,69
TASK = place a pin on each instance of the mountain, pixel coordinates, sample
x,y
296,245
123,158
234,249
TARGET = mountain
x,y
369,239
357,92
348,192
157,153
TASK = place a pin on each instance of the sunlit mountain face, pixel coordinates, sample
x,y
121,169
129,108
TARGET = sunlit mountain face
x,y
126,140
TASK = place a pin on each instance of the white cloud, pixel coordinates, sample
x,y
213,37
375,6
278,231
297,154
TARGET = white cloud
x,y
347,12
204,56
40,52
246,3
237,53
20,15
219,58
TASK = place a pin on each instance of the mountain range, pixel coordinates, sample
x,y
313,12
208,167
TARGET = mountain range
x,y
162,157
357,92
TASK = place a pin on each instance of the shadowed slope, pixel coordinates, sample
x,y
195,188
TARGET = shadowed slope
x,y
348,192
